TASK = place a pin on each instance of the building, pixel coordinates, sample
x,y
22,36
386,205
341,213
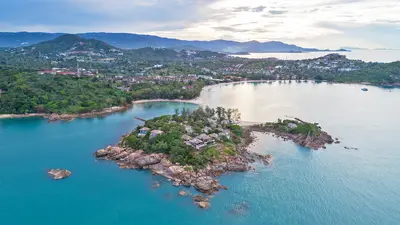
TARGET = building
x,y
196,143
143,131
155,133
205,138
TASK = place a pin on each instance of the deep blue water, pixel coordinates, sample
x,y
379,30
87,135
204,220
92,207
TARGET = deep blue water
x,y
329,187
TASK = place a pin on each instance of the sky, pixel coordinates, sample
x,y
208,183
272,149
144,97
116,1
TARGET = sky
x,y
308,23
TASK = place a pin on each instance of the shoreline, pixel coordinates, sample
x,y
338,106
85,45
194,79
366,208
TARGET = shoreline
x,y
196,101
104,112
190,101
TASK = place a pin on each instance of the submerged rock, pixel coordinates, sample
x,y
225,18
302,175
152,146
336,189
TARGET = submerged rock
x,y
156,185
58,174
204,205
182,193
200,198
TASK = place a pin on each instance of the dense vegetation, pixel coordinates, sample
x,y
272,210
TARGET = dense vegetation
x,y
296,127
167,90
173,126
376,73
33,93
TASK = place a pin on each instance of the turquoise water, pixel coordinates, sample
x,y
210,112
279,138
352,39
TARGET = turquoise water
x,y
330,187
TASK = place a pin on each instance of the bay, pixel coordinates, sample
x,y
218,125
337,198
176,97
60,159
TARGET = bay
x,y
329,187
384,56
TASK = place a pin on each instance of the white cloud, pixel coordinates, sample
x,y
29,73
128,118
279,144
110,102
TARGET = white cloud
x,y
336,22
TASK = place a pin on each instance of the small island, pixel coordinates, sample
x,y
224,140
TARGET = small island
x,y
189,148
305,134
193,148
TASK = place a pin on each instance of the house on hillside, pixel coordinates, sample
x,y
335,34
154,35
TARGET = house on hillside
x,y
155,133
196,143
143,131
205,138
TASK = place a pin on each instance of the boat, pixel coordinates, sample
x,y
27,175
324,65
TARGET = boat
x,y
364,89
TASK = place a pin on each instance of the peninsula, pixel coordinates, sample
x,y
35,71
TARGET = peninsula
x,y
193,148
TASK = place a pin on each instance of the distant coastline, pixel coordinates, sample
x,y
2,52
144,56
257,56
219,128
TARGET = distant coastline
x,y
114,109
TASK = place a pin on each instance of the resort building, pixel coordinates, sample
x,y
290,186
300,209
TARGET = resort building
x,y
143,131
155,133
196,143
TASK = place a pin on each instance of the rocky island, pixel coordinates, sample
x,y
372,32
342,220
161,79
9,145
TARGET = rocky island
x,y
195,148
309,135
59,174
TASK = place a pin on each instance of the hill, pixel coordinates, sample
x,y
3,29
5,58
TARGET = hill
x,y
136,41
68,43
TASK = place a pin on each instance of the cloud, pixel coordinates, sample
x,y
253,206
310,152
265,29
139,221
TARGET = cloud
x,y
335,22
277,12
249,9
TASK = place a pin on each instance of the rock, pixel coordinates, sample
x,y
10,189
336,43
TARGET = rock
x,y
65,117
207,185
204,205
175,170
200,198
337,142
101,153
156,185
54,117
186,184
120,155
131,158
166,163
149,160
58,174
236,166
182,193
176,183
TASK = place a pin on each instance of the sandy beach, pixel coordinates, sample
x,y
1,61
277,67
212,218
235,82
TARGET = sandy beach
x,y
193,101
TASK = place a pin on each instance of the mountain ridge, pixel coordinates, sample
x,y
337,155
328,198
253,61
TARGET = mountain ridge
x,y
136,41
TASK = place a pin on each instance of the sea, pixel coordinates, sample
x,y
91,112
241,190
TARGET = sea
x,y
335,186
384,56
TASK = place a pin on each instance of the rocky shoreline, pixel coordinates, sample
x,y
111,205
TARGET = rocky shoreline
x,y
308,141
204,180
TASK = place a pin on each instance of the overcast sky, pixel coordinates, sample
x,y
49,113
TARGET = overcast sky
x,y
309,23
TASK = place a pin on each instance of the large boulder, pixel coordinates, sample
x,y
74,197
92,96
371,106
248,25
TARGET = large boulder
x,y
204,205
207,185
54,117
148,160
175,170
101,153
200,198
131,158
58,174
